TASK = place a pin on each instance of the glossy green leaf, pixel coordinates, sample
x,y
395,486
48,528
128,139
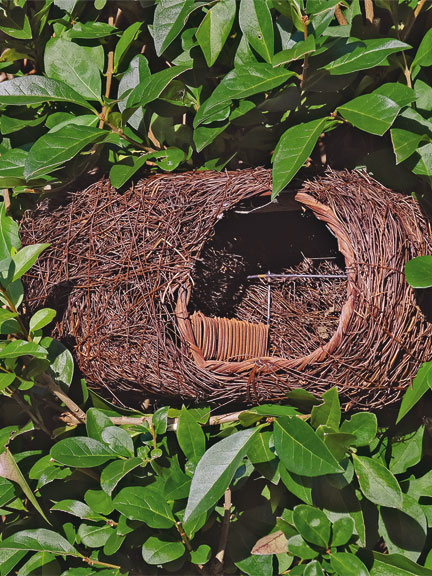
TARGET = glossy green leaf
x,y
169,19
37,89
12,165
96,422
257,26
373,113
94,536
300,486
420,385
136,74
404,531
54,149
342,530
90,30
358,55
170,158
423,166
329,412
214,473
15,23
115,471
313,569
292,151
238,84
418,272
300,450
405,143
312,524
205,134
298,547
61,361
299,50
337,442
25,258
145,504
157,550
39,540
152,87
396,565
81,452
124,43
41,318
69,63
399,93
78,509
201,555
406,451
346,564
423,56
190,436
255,565
118,440
215,28
377,483
18,348
7,491
363,426
9,236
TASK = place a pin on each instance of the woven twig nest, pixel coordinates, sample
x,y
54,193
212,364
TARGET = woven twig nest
x,y
120,272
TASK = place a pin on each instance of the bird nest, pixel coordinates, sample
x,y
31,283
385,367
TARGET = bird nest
x,y
124,271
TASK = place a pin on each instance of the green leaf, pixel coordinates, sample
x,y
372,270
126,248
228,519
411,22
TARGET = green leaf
x,y
39,540
157,550
373,113
207,133
201,555
61,363
418,272
54,149
19,348
423,56
363,426
8,560
81,452
342,530
115,471
136,74
241,83
25,258
128,36
300,486
7,491
406,451
292,151
298,547
96,422
421,383
152,87
363,54
257,26
312,524
15,23
169,19
214,473
215,28
12,167
122,171
9,235
38,89
78,509
190,436
94,536
377,482
313,569
41,318
346,564
91,30
255,565
99,501
170,158
404,531
296,52
301,451
405,143
423,167
118,440
145,504
399,93
328,413
69,63
396,565
40,563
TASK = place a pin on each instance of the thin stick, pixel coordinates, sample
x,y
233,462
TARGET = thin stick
x,y
7,200
225,528
369,9
307,276
342,21
109,75
407,30
75,410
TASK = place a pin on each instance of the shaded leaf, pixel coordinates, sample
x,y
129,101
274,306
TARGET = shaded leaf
x,y
125,40
312,524
41,318
346,564
377,483
169,19
190,436
25,258
405,143
421,383
161,550
423,56
151,87
328,413
363,426
215,28
115,471
145,504
12,165
257,26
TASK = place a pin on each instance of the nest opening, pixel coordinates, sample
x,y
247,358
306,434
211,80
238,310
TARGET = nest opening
x,y
302,313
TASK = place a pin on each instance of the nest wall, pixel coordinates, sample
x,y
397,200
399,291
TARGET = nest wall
x,y
119,273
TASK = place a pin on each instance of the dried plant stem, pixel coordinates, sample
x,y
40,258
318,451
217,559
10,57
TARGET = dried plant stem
x,y
7,200
342,21
407,29
369,9
74,409
223,539
109,75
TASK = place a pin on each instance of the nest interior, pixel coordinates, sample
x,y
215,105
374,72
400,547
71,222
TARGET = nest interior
x,y
123,271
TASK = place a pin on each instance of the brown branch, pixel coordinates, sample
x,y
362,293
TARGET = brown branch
x,y
369,9
7,200
342,21
305,21
223,539
418,9
109,75
77,415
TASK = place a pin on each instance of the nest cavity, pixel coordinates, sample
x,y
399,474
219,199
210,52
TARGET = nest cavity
x,y
121,268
